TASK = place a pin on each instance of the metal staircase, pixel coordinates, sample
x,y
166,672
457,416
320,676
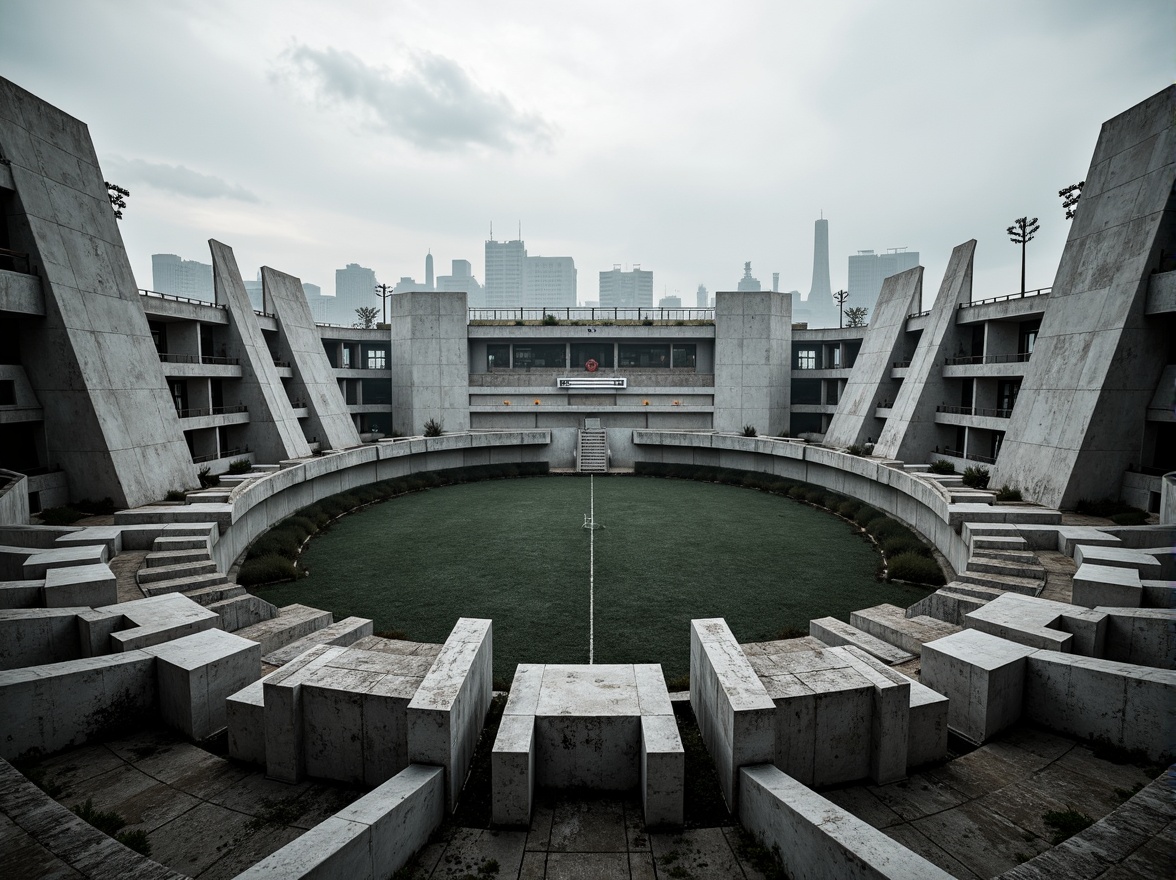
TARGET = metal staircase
x,y
592,454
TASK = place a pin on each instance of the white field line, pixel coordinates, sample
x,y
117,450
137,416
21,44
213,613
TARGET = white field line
x,y
591,571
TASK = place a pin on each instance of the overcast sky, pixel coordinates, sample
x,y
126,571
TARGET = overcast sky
x,y
688,137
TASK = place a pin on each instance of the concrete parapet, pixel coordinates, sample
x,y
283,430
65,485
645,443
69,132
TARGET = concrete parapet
x,y
736,717
1042,623
982,676
372,838
445,716
1144,636
818,840
1107,585
158,619
35,636
91,585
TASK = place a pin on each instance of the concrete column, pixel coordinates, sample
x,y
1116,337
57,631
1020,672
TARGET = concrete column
x,y
753,356
429,360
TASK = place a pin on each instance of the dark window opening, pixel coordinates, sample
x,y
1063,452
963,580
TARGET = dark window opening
x,y
644,356
685,356
536,355
806,391
601,352
377,391
7,392
497,357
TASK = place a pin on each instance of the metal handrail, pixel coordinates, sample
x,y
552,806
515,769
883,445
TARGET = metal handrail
x,y
898,365
974,411
224,453
278,363
212,411
1018,358
918,314
212,360
970,456
173,297
13,256
595,313
1025,294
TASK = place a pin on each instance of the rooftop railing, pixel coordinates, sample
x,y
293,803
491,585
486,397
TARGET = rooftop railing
x,y
595,314
1041,291
174,298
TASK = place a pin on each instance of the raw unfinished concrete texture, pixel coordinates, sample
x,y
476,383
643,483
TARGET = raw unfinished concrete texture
x,y
109,422
870,384
910,432
274,432
301,346
753,356
429,361
1080,411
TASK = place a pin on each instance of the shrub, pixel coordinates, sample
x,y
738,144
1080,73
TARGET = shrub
x,y
304,526
136,840
60,516
910,566
240,466
275,542
1008,493
976,477
1130,518
813,495
1107,507
207,478
884,527
942,466
315,514
1065,823
798,492
434,428
265,570
899,544
848,508
174,495
550,320
105,507
859,449
866,515
830,501
749,431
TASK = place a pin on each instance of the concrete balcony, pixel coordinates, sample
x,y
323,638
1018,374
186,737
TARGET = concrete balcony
x,y
973,417
193,419
996,366
20,293
1013,306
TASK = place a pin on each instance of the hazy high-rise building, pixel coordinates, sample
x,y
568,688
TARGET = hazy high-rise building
x,y
429,271
179,277
819,310
670,302
461,277
505,268
775,282
355,287
702,297
747,283
628,290
514,279
867,270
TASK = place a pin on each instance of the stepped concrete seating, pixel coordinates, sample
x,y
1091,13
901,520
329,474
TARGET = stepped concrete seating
x,y
736,717
1024,566
834,632
1042,623
154,574
818,839
1027,585
604,727
145,622
207,595
36,636
54,706
958,514
183,584
176,556
373,837
890,624
992,682
22,594
292,623
238,612
1144,636
345,632
110,536
1112,586
1040,536
37,562
998,542
1120,557
361,716
168,542
952,602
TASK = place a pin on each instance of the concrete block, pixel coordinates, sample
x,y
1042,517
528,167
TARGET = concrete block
x,y
92,585
816,839
982,676
245,719
1118,557
335,848
445,717
197,673
512,767
36,564
1041,623
1105,585
35,636
1143,636
95,629
283,714
157,619
835,632
663,771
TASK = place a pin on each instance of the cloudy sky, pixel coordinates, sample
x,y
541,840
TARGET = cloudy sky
x,y
685,136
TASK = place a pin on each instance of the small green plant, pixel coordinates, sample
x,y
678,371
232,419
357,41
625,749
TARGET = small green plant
x,y
266,570
917,569
1130,518
207,478
434,428
60,516
240,466
749,431
976,477
1008,493
942,466
111,824
1065,823
174,495
550,320
855,449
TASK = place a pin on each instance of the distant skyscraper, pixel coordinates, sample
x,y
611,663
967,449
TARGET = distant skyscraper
x,y
820,308
355,287
505,267
626,290
461,277
179,277
670,302
514,279
867,270
775,282
429,271
702,297
747,283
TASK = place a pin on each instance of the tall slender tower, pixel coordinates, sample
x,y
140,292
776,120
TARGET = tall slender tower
x,y
821,290
429,270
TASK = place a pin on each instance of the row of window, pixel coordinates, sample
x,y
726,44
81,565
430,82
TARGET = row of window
x,y
578,354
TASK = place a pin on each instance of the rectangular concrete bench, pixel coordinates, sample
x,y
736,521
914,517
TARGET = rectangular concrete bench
x,y
1042,623
835,632
1112,586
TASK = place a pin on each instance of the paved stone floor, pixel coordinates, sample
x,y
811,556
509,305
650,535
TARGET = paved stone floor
x,y
589,837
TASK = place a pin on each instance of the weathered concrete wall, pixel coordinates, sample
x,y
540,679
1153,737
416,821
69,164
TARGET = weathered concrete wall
x,y
869,384
274,433
910,432
753,360
35,636
1081,409
314,378
817,839
429,361
114,431
14,498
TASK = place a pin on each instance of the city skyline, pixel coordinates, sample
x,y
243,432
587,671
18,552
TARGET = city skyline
x,y
586,140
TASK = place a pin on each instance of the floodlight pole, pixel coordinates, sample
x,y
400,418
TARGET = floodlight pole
x,y
383,291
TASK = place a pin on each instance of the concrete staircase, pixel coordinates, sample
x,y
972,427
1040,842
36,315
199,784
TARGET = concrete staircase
x,y
592,457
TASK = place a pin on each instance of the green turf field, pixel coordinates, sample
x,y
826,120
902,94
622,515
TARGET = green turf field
x,y
516,551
